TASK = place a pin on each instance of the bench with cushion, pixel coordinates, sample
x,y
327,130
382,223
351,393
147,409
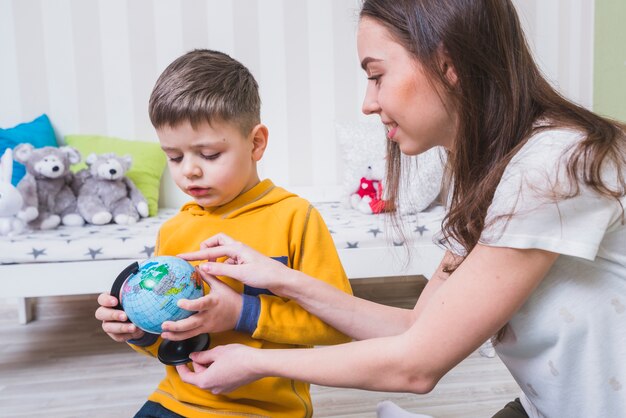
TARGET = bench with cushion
x,y
86,260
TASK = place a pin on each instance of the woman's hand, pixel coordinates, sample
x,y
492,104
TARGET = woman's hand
x,y
216,312
221,369
114,321
242,263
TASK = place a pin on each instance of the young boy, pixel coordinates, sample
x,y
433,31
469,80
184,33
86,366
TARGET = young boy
x,y
206,111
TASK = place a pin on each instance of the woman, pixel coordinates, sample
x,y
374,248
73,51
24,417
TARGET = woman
x,y
535,229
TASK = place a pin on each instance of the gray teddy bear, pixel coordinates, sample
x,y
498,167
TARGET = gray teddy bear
x,y
105,193
46,187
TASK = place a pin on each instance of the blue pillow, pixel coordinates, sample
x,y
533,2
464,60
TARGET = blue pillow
x,y
38,132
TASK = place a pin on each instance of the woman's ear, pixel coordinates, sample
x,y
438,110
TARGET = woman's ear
x,y
450,75
259,136
447,68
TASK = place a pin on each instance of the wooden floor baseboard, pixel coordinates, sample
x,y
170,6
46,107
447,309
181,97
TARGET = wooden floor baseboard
x,y
399,291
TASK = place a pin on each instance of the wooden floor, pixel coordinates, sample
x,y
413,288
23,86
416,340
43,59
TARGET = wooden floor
x,y
62,366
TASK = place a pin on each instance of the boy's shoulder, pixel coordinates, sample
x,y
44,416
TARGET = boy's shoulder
x,y
291,199
289,206
275,196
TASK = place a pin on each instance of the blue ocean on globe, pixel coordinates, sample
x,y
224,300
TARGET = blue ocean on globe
x,y
149,296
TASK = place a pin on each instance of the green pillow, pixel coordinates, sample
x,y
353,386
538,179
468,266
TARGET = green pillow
x,y
148,161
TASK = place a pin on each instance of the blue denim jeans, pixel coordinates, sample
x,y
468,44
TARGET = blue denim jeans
x,y
154,410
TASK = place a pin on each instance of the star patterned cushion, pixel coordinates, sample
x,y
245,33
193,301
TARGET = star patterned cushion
x,y
84,243
350,229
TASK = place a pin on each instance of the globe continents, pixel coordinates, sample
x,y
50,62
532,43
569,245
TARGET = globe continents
x,y
149,296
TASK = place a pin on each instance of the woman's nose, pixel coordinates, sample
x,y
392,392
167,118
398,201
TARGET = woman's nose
x,y
370,104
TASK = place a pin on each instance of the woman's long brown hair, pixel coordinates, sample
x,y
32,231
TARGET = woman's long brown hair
x,y
499,97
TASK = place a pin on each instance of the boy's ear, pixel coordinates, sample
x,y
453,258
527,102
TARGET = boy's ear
x,y
259,136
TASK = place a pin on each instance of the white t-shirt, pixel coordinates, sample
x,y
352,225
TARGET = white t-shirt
x,y
566,346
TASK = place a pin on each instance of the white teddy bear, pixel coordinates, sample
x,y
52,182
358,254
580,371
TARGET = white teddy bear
x,y
369,197
10,198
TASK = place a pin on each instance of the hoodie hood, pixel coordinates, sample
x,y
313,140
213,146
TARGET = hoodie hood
x,y
263,194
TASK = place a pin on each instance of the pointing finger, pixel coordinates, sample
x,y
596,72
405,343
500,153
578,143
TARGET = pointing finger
x,y
216,241
193,255
222,269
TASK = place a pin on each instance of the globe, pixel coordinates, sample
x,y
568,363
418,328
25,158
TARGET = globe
x,y
149,296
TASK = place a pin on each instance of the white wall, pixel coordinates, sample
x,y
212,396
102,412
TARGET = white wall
x,y
91,64
560,32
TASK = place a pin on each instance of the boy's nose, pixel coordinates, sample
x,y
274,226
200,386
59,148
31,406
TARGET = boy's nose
x,y
191,170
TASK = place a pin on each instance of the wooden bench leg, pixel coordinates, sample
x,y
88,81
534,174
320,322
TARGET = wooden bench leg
x,y
25,310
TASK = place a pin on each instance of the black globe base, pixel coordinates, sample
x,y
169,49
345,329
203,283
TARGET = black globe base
x,y
173,353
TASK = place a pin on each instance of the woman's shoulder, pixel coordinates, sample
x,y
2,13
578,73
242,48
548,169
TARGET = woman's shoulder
x,y
553,139
547,147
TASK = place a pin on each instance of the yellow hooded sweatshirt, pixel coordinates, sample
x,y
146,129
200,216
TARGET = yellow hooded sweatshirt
x,y
281,225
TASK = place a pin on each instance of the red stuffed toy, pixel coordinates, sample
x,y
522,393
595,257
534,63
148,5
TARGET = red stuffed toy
x,y
369,196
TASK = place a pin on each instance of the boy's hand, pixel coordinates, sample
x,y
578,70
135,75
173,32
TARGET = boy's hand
x,y
114,321
216,312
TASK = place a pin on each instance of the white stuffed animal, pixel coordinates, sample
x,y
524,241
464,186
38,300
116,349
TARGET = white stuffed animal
x,y
420,184
10,198
363,145
369,197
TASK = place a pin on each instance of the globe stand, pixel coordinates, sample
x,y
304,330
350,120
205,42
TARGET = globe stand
x,y
174,353
171,353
